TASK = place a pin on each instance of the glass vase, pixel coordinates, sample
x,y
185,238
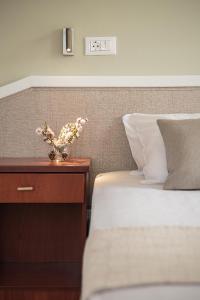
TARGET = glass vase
x,y
59,154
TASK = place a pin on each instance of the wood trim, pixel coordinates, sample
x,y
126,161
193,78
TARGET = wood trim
x,y
99,81
43,165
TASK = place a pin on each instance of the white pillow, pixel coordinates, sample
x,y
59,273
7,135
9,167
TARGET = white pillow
x,y
134,141
147,145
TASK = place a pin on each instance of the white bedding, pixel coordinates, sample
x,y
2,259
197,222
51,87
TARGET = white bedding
x,y
121,200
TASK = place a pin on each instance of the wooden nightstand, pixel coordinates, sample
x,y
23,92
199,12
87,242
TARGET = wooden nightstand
x,y
42,228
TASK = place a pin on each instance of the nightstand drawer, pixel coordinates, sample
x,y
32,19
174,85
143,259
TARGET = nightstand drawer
x,y
41,188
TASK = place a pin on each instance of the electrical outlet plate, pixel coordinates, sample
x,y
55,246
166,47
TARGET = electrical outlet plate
x,y
100,45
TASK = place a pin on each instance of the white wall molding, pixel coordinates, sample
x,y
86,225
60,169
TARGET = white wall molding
x,y
99,81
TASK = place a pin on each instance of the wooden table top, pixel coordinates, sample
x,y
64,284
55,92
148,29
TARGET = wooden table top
x,y
29,164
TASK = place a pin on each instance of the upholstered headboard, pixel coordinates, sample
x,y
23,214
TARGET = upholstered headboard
x,y
104,137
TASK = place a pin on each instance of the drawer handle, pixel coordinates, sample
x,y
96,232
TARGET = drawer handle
x,y
25,188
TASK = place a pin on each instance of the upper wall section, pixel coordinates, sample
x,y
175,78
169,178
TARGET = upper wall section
x,y
154,37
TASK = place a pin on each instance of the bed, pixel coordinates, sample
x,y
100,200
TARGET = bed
x,y
124,208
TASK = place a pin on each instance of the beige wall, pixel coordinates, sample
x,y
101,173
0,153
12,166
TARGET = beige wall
x,y
155,37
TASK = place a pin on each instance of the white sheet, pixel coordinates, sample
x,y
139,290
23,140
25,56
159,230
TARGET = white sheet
x,y
121,200
167,292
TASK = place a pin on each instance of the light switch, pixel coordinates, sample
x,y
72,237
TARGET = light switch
x,y
100,46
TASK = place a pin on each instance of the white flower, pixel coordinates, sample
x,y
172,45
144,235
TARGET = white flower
x,y
50,131
38,131
83,121
48,142
59,145
78,120
68,134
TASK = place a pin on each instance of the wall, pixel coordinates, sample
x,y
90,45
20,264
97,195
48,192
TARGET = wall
x,y
155,37
103,138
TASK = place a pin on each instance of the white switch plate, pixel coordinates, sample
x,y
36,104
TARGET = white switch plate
x,y
100,45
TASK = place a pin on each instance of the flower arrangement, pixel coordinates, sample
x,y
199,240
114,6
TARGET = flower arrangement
x,y
68,134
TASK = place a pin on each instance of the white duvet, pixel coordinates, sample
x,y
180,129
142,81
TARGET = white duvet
x,y
120,199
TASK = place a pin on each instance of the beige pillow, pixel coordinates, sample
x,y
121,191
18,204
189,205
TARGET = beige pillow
x,y
182,145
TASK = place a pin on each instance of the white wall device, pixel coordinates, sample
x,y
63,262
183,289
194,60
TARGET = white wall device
x,y
100,45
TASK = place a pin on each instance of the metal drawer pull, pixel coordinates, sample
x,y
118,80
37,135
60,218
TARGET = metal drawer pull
x,y
25,188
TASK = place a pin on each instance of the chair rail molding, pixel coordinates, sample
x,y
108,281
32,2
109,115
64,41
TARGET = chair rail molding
x,y
99,81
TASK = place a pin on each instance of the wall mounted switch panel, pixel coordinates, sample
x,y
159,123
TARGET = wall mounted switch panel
x,y
100,45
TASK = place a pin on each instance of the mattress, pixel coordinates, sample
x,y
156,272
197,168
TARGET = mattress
x,y
166,292
122,199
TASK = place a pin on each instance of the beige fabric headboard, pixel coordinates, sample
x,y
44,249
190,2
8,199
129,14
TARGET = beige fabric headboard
x,y
104,137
